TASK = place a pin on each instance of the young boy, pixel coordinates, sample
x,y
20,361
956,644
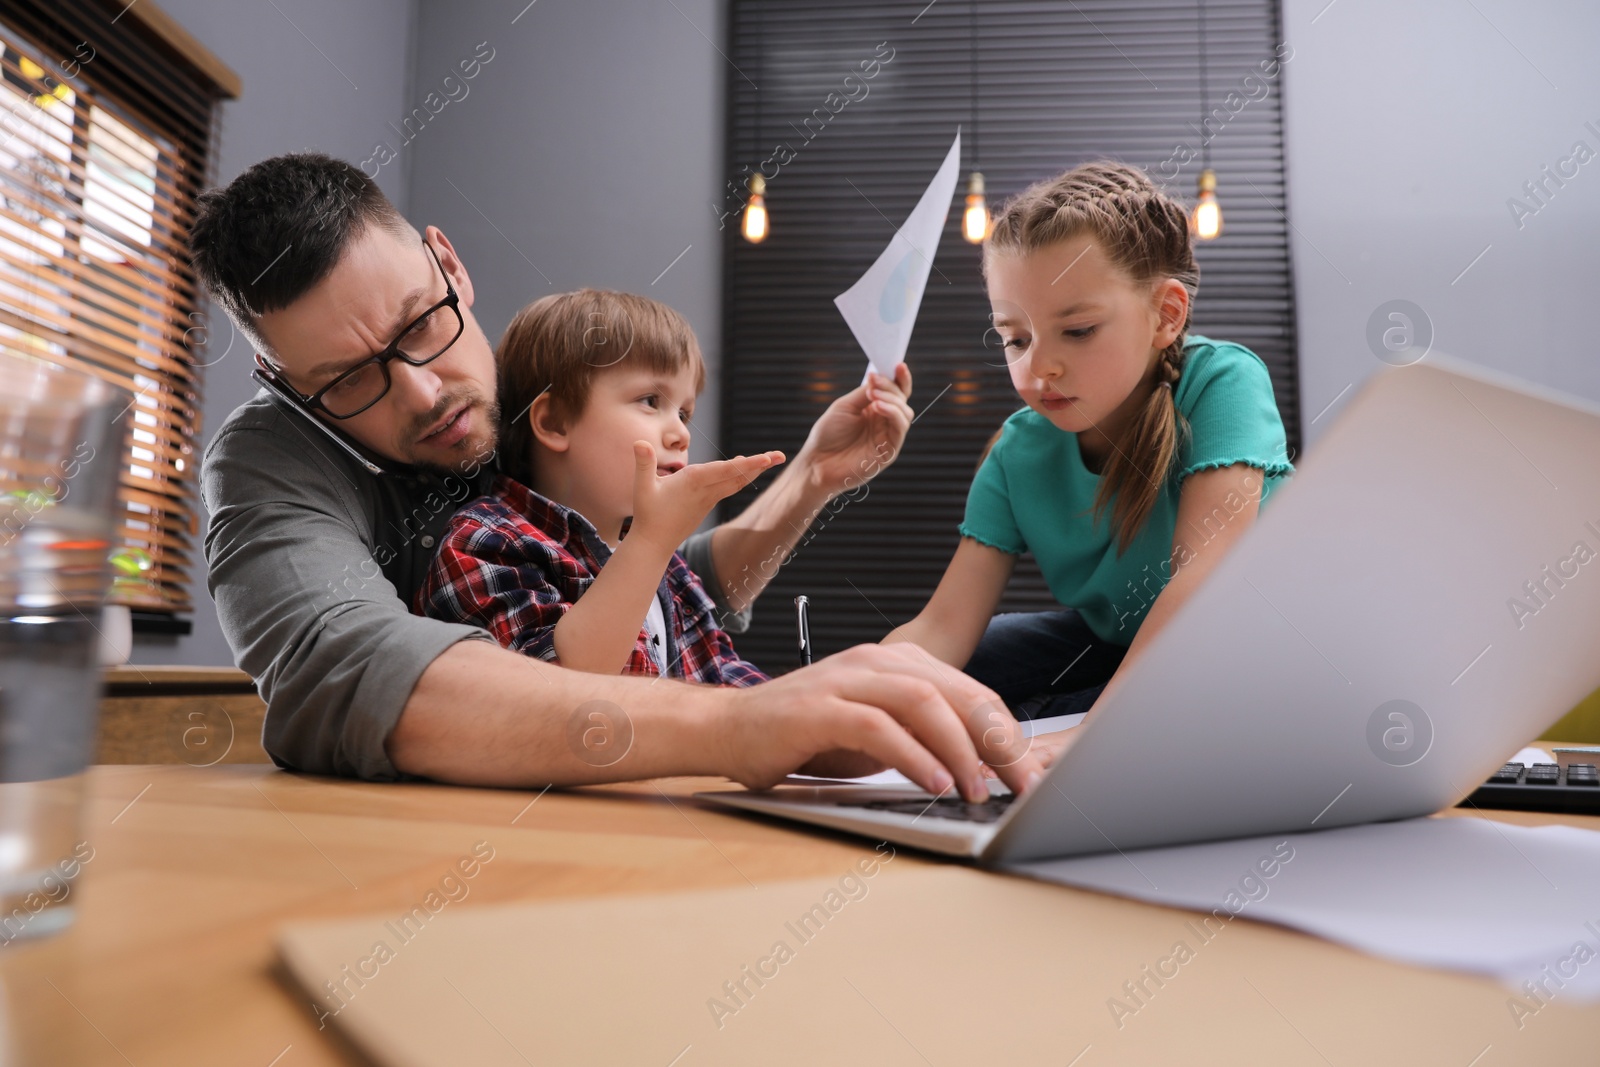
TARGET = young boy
x,y
596,394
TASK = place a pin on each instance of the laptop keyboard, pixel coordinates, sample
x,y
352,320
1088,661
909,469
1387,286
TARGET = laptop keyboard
x,y
1540,787
944,808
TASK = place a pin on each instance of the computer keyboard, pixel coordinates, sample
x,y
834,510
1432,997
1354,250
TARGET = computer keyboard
x,y
1573,789
945,807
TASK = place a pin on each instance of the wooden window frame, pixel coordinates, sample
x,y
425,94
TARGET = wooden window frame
x,y
110,128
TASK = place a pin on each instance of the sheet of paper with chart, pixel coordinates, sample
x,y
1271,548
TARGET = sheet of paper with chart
x,y
882,307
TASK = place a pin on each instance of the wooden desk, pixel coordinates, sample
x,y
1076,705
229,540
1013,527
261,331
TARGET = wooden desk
x,y
196,716
171,961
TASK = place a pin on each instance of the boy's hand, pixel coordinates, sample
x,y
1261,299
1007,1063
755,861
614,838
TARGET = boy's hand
x,y
668,509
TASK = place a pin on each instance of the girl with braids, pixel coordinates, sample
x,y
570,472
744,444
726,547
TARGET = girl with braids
x,y
1141,455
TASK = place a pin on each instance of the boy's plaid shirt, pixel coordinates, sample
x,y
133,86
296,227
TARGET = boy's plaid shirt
x,y
513,562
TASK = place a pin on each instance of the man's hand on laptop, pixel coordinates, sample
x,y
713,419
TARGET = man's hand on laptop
x,y
1051,746
873,707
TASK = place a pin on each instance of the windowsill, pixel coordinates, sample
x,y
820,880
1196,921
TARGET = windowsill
x,y
157,623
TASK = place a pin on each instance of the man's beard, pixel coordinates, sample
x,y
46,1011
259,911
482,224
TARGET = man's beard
x,y
476,454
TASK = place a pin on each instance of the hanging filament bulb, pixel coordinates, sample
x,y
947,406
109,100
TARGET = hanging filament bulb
x,y
755,211
32,70
975,223
1206,221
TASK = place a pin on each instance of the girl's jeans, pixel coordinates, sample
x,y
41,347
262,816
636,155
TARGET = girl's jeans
x,y
1045,663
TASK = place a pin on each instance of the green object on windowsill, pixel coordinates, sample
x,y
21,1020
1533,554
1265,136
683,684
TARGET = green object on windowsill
x,y
130,568
1581,724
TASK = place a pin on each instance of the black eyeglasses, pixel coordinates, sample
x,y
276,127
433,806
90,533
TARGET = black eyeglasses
x,y
427,338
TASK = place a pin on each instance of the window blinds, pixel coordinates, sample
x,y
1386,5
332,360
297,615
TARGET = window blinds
x,y
846,155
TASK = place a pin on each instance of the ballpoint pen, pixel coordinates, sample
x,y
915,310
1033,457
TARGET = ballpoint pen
x,y
803,623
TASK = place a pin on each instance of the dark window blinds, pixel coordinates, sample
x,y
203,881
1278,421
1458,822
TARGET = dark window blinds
x,y
1057,84
106,137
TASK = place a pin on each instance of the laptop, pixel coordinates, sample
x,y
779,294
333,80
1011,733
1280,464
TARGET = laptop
x,y
1422,598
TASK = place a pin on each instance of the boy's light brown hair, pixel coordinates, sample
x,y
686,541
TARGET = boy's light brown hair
x,y
560,343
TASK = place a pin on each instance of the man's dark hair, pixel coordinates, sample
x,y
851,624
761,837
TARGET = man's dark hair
x,y
276,230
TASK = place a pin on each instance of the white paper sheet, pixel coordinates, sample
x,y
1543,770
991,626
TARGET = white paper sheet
x,y
1517,903
882,307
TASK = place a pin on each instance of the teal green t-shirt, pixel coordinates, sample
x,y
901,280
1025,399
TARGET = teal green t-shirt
x,y
1034,494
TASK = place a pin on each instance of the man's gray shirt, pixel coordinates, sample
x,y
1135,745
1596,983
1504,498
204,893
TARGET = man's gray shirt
x,y
314,562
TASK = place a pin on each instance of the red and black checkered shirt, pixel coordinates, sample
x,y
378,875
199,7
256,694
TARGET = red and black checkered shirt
x,y
513,562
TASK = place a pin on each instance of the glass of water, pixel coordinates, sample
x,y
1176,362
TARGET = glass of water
x,y
61,437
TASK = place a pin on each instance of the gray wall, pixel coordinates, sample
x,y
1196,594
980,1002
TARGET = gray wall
x,y
588,150
1408,127
587,153
294,98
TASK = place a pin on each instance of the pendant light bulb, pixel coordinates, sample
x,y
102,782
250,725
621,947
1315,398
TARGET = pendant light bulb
x,y
975,223
1206,221
32,70
755,211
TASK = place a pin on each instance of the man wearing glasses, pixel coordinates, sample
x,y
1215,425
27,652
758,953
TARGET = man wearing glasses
x,y
328,492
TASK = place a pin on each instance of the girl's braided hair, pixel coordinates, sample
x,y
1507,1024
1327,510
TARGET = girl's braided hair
x,y
1144,232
